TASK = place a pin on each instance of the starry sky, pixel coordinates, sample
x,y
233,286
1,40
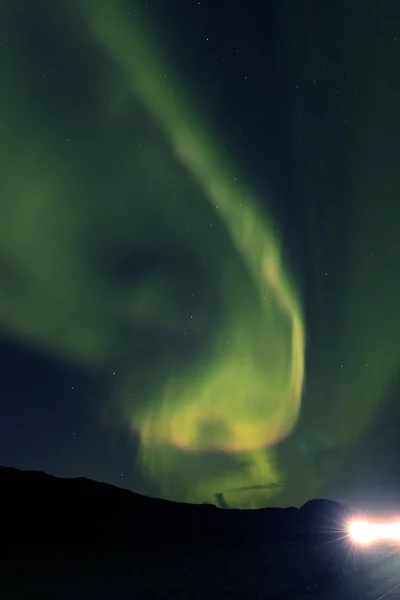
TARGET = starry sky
x,y
199,246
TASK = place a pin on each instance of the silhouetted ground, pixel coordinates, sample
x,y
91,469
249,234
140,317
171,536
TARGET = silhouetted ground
x,y
78,539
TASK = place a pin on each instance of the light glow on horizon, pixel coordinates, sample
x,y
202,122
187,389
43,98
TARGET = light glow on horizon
x,y
367,532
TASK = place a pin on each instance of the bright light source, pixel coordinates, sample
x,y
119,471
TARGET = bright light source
x,y
365,532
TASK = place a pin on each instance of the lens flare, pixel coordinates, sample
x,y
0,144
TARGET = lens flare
x,y
365,532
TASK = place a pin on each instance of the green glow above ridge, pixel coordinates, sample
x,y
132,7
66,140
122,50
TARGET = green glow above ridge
x,y
248,397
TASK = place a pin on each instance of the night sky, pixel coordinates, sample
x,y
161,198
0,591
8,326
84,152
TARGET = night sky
x,y
199,246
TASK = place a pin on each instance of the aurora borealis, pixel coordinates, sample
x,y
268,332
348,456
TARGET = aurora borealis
x,y
237,320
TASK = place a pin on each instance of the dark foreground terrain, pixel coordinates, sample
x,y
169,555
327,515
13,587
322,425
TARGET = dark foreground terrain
x,y
80,539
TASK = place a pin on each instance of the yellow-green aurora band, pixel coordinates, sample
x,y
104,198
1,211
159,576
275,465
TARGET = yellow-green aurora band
x,y
248,397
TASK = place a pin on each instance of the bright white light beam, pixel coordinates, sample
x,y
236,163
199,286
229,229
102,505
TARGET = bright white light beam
x,y
365,532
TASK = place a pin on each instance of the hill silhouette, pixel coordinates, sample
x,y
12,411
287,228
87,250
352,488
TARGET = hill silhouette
x,y
40,510
77,538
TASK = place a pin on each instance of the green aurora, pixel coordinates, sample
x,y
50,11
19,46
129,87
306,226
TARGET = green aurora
x,y
128,246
